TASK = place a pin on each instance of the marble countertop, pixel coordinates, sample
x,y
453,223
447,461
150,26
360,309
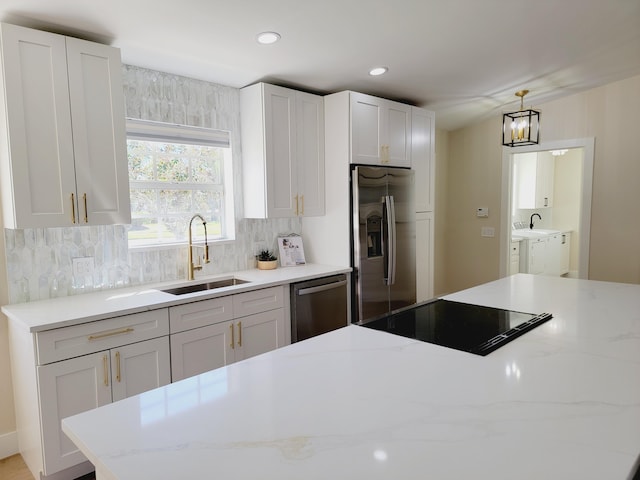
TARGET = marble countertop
x,y
72,310
560,402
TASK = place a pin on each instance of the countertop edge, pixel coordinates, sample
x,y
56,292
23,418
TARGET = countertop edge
x,y
95,306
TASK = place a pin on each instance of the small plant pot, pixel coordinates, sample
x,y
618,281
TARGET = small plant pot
x,y
267,264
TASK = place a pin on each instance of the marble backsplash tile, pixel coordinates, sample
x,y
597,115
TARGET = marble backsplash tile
x,y
40,260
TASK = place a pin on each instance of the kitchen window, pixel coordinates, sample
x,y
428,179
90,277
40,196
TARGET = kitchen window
x,y
175,172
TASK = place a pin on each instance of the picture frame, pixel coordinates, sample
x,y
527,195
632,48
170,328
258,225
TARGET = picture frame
x,y
291,251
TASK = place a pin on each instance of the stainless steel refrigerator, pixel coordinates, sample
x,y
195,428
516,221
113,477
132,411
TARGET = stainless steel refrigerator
x,y
384,237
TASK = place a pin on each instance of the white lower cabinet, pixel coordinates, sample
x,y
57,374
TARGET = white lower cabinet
x,y
258,326
79,384
259,333
69,370
515,258
199,350
65,371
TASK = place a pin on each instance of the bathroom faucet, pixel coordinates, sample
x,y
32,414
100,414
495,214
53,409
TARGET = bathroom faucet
x,y
191,267
531,219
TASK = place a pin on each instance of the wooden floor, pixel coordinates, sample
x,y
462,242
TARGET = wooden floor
x,y
13,468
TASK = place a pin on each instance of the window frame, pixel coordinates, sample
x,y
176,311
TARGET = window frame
x,y
147,130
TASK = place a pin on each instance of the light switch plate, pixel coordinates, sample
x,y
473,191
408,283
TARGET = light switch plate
x,y
488,232
483,212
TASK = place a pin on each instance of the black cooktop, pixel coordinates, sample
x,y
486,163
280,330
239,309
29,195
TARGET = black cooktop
x,y
471,328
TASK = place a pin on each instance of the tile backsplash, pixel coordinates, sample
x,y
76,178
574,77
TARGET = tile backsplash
x,y
40,260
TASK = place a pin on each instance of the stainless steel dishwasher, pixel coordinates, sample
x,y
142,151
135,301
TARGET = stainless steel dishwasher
x,y
318,306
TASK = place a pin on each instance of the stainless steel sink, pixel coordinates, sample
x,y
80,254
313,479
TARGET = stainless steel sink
x,y
199,287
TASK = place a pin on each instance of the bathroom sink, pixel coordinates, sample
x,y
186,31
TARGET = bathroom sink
x,y
535,233
200,287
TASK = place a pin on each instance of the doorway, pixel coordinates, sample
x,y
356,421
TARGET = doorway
x,y
586,147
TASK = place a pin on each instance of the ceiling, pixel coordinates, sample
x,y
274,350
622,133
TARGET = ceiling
x,y
464,59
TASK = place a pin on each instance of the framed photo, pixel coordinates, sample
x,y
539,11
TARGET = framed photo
x,y
291,251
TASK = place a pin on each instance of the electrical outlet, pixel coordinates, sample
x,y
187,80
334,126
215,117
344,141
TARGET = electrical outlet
x,y
83,267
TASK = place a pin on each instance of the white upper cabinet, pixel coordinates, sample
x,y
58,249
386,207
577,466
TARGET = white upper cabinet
x,y
282,152
63,159
380,131
533,180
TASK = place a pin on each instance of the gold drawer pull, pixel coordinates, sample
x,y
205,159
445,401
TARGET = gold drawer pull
x,y
109,334
73,208
86,214
105,367
118,376
232,337
240,334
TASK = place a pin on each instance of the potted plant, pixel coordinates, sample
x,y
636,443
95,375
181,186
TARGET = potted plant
x,y
267,260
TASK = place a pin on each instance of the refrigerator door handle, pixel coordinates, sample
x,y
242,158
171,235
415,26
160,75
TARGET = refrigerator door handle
x,y
389,250
392,240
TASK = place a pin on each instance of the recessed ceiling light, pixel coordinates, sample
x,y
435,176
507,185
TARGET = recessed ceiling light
x,y
374,72
267,38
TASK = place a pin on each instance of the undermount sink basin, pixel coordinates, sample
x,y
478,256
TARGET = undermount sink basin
x,y
200,287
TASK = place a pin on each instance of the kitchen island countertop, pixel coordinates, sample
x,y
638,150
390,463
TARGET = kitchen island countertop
x,y
560,402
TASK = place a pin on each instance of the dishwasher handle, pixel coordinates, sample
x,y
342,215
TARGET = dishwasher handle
x,y
321,288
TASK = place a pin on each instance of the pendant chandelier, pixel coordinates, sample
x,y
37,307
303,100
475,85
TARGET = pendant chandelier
x,y
521,127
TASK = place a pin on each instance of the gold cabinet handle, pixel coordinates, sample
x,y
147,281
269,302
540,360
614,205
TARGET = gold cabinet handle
x,y
302,202
118,377
296,197
73,208
232,345
105,366
86,214
91,338
239,334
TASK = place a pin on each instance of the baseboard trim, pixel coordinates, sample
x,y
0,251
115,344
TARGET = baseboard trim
x,y
8,444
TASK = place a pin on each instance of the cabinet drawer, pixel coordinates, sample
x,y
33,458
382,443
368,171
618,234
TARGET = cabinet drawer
x,y
200,314
515,248
68,342
257,301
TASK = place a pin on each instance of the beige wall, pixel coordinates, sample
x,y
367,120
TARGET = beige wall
x,y
609,114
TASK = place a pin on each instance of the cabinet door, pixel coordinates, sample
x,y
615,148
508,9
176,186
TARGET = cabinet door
x,y
396,128
537,256
565,253
515,258
38,176
99,138
310,154
67,388
259,333
280,142
422,157
140,367
202,349
380,131
366,129
552,256
424,256
544,179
